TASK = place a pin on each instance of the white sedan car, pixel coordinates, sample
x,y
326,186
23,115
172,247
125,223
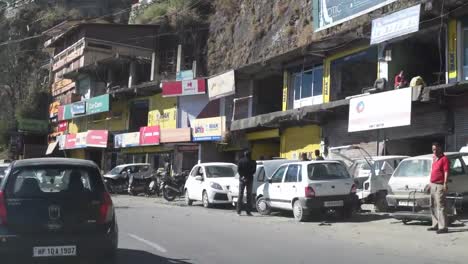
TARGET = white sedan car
x,y
210,183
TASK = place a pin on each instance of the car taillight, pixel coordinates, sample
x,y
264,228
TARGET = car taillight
x,y
353,188
106,210
3,210
309,192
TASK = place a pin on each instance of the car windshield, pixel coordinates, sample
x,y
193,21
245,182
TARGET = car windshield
x,y
414,168
116,170
221,171
40,181
327,171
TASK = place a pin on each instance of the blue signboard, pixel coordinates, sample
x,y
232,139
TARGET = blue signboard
x,y
78,108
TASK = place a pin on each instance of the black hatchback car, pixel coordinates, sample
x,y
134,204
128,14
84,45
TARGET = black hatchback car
x,y
55,208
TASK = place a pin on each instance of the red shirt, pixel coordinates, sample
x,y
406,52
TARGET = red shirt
x,y
439,167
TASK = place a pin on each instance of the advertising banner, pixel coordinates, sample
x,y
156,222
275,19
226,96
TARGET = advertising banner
x,y
397,24
95,105
209,129
118,141
222,85
176,135
127,140
149,136
97,138
70,141
78,108
382,110
329,13
168,119
183,88
62,126
80,141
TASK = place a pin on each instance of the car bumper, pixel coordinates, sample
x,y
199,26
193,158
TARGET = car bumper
x,y
330,202
219,197
419,200
87,245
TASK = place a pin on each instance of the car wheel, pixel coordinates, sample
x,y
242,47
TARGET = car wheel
x,y
263,206
299,213
188,202
205,200
381,204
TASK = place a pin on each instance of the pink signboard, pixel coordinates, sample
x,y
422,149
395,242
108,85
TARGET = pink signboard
x,y
97,138
70,141
150,135
181,88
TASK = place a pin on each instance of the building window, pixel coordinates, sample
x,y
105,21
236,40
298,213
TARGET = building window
x,y
308,87
465,51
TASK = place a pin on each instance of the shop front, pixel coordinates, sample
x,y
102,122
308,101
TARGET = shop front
x,y
265,144
298,140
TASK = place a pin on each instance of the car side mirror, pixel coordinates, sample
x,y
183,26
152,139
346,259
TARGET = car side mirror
x,y
199,178
270,181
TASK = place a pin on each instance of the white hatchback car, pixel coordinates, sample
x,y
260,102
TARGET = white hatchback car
x,y
210,183
308,187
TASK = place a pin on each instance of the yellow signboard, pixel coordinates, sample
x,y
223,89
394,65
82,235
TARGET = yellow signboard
x,y
165,119
452,50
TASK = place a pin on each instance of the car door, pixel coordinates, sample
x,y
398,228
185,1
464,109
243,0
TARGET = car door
x,y
192,185
458,176
290,186
274,187
259,179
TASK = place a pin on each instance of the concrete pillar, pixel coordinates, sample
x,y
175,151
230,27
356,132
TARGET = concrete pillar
x,y
132,77
155,64
110,79
179,58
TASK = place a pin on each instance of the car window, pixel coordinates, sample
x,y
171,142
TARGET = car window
x,y
456,167
292,173
261,175
327,171
41,181
194,171
413,168
144,168
278,175
385,168
221,171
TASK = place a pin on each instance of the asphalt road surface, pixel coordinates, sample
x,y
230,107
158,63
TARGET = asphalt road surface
x,y
152,231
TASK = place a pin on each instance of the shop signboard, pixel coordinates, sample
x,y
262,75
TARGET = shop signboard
x,y
127,140
33,125
80,141
184,75
70,141
97,138
78,108
329,13
209,129
382,110
149,136
176,135
184,87
54,109
92,106
62,126
168,119
222,85
395,25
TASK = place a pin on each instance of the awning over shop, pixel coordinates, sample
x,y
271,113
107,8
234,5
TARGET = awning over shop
x,y
51,147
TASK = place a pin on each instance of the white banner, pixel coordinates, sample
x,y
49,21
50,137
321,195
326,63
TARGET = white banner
x,y
397,24
382,110
222,85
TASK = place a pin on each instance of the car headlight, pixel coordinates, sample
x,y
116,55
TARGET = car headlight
x,y
216,186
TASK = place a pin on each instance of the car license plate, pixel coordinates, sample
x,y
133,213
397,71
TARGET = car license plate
x,y
405,203
333,203
62,251
234,199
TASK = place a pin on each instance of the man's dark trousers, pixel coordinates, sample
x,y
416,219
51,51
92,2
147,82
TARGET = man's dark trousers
x,y
240,200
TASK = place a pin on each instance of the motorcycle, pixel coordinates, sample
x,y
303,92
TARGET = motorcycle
x,y
155,186
174,186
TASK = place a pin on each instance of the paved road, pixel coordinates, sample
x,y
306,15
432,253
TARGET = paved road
x,y
154,232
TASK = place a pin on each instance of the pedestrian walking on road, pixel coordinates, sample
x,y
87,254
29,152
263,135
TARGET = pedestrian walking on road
x,y
318,156
246,169
438,186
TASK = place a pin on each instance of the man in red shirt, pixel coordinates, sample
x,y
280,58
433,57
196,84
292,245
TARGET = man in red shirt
x,y
439,179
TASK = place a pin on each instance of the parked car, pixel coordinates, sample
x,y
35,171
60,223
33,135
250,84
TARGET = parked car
x,y
308,188
3,170
67,218
370,173
265,169
117,179
412,177
209,183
